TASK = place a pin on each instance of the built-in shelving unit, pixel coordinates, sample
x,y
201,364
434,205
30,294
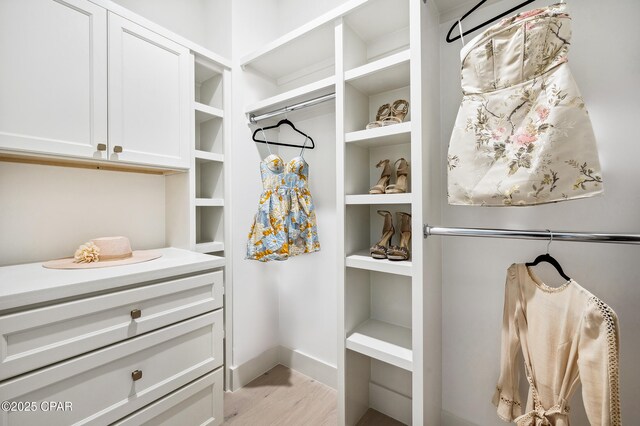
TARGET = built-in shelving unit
x,y
374,52
208,172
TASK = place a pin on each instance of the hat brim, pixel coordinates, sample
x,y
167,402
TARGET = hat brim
x,y
136,257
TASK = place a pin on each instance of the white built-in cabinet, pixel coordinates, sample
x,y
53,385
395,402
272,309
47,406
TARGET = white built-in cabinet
x,y
148,96
373,52
53,82
85,82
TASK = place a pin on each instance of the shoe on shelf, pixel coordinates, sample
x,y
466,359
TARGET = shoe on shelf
x,y
383,112
402,172
399,110
402,252
379,250
379,187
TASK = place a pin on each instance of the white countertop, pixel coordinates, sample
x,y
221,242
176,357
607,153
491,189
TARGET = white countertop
x,y
31,283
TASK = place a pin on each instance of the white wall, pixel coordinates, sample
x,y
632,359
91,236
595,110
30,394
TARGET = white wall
x,y
293,303
605,62
46,212
206,22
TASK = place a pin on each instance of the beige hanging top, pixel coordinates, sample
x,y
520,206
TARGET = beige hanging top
x,y
522,135
566,335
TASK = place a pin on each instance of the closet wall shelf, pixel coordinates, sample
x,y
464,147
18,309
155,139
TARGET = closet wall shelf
x,y
383,341
394,134
373,68
315,39
208,156
378,199
309,91
381,76
206,112
363,260
210,247
210,202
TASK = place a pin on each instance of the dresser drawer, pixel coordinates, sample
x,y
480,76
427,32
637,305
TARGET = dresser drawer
x,y
100,385
38,337
198,403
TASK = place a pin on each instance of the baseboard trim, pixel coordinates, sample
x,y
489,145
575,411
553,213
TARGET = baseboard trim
x,y
309,366
449,419
391,403
243,374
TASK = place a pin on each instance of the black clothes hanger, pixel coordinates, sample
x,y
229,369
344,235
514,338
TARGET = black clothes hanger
x,y
487,22
280,123
549,259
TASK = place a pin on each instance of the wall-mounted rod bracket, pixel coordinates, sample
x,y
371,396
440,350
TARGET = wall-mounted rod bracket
x,y
586,237
305,104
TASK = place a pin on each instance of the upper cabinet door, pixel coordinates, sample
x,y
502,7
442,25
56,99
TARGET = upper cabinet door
x,y
53,78
148,96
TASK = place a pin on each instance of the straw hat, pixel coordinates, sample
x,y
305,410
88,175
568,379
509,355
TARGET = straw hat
x,y
103,252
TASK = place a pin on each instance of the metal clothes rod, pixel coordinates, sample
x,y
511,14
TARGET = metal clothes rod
x,y
521,234
311,102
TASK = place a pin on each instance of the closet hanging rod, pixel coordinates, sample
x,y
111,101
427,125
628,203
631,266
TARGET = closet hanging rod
x,y
523,234
311,102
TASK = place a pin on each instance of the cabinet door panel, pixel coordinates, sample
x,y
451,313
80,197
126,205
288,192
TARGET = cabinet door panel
x,y
148,96
53,82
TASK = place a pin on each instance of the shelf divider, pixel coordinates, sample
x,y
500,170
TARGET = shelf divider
x,y
378,199
363,260
383,341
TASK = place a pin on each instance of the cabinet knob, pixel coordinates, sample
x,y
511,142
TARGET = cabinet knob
x,y
136,375
117,149
102,147
136,313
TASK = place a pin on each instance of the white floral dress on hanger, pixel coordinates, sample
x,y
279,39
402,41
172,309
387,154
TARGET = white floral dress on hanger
x,y
522,135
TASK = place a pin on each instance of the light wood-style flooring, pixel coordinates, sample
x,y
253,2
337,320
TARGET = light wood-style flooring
x,y
284,397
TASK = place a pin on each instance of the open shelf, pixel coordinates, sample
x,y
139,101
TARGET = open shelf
x,y
304,93
206,112
210,202
390,72
210,247
208,156
383,341
363,260
208,83
378,199
394,134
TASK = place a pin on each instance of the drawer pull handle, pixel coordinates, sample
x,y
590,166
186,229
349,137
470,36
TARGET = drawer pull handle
x,y
117,149
102,147
136,375
136,313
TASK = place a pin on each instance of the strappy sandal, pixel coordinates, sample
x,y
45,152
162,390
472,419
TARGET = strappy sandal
x,y
402,252
399,110
379,187
400,187
379,250
383,112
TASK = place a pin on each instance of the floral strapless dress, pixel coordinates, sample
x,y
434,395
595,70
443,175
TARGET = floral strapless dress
x,y
285,224
523,135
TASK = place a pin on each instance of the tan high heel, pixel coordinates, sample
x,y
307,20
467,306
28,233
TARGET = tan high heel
x,y
399,110
384,112
379,187
402,171
379,250
402,252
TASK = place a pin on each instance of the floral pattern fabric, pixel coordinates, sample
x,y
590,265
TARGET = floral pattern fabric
x,y
285,224
523,135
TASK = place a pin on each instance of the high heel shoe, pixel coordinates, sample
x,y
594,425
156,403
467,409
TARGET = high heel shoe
x,y
384,112
379,250
399,110
379,187
402,252
400,187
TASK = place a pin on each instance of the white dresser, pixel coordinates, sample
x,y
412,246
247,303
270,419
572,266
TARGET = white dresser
x,y
130,345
